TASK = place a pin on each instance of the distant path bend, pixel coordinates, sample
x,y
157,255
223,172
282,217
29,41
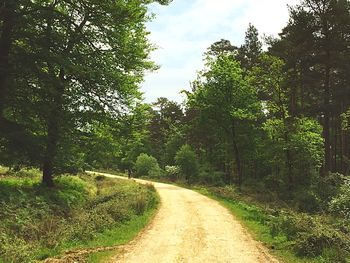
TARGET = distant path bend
x,y
190,227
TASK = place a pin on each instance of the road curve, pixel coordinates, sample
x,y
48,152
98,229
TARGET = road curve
x,y
190,227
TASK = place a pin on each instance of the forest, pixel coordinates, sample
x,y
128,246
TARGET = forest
x,y
270,118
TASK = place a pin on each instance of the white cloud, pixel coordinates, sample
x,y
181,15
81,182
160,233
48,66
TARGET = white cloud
x,y
184,29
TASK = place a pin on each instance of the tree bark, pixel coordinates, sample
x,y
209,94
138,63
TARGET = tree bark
x,y
326,125
53,131
336,129
344,144
237,155
51,150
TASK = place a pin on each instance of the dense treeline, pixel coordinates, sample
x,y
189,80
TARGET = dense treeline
x,y
280,115
70,100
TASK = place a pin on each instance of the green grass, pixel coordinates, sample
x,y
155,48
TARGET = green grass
x,y
255,221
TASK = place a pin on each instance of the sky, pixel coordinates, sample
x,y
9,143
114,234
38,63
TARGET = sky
x,y
183,30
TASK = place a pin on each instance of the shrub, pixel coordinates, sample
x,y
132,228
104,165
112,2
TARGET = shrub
x,y
291,224
307,202
227,191
329,186
315,243
187,161
311,237
172,172
15,249
73,191
340,204
147,165
211,177
37,222
140,204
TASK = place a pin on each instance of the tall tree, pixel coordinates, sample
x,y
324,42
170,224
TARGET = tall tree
x,y
315,47
249,52
84,59
167,118
224,97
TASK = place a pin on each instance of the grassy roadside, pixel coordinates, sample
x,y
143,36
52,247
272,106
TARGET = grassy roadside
x,y
80,212
255,221
290,236
119,236
122,234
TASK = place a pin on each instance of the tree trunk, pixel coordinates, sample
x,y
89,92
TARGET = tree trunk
x,y
326,124
343,143
335,144
51,150
237,155
8,14
53,131
288,156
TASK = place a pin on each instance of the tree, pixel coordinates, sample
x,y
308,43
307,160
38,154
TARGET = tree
x,y
187,161
221,47
314,45
166,120
146,165
295,144
82,60
222,96
249,52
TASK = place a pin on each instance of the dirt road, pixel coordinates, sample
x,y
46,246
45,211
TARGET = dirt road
x,y
190,227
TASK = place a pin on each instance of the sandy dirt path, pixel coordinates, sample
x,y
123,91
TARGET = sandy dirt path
x,y
190,227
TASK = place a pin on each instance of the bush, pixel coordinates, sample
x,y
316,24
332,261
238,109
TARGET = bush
x,y
307,202
211,177
314,244
37,222
340,204
22,253
328,187
227,192
311,237
172,172
291,224
140,204
187,161
73,191
147,165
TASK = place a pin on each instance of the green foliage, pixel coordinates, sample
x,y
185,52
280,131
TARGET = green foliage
x,y
327,187
298,144
312,237
208,176
307,201
345,120
224,99
36,223
147,165
186,159
249,52
307,142
295,236
172,172
82,64
340,204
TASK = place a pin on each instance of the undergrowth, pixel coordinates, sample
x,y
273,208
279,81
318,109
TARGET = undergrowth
x,y
37,222
294,236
